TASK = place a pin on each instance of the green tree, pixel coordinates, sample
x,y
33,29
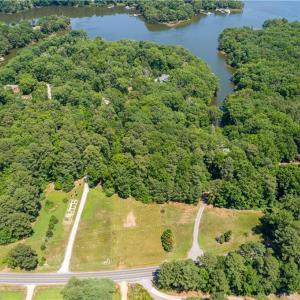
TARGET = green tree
x,y
89,289
167,240
23,257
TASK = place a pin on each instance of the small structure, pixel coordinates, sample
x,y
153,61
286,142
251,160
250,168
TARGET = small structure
x,y
70,212
2,59
13,87
163,78
130,89
105,101
26,97
226,150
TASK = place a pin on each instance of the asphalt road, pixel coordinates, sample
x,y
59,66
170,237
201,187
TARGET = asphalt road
x,y
129,275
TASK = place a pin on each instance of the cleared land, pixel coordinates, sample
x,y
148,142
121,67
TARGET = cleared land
x,y
216,221
137,292
55,203
11,293
118,233
49,293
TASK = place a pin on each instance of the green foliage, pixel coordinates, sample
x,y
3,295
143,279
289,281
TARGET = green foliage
x,y
182,276
157,11
88,289
225,237
261,119
27,83
23,257
167,240
154,11
147,143
22,34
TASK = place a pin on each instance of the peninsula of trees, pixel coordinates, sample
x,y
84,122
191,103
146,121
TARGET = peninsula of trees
x,y
154,11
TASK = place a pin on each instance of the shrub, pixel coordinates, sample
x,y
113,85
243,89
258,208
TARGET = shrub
x,y
43,247
89,289
42,261
167,240
227,236
49,233
49,205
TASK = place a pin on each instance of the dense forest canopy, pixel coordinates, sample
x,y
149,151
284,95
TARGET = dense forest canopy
x,y
132,115
154,11
261,119
262,116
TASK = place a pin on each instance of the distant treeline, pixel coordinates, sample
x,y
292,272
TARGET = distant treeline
x,y
21,34
154,11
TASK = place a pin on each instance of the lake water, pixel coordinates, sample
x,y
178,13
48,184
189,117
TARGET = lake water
x,y
200,35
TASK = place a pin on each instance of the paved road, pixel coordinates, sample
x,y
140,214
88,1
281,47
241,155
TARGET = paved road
x,y
131,275
196,251
68,254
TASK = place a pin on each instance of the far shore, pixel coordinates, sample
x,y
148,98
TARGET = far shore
x,y
178,22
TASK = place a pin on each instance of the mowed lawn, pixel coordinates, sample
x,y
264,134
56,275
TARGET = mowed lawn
x,y
11,293
56,203
48,293
118,233
215,221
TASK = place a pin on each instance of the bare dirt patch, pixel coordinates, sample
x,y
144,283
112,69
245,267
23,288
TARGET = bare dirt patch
x,y
130,220
50,188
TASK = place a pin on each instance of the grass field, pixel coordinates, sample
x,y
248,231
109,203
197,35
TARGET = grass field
x,y
48,293
216,221
117,233
56,203
11,293
137,292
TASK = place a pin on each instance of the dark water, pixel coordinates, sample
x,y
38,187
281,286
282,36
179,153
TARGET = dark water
x,y
199,36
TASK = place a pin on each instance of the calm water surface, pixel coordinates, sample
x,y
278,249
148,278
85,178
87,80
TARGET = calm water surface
x,y
199,36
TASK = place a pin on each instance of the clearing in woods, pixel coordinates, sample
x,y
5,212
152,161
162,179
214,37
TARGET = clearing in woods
x,y
56,204
117,233
215,221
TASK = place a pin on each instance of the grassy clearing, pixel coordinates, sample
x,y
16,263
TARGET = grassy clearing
x,y
137,292
48,293
117,233
216,221
56,203
12,293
